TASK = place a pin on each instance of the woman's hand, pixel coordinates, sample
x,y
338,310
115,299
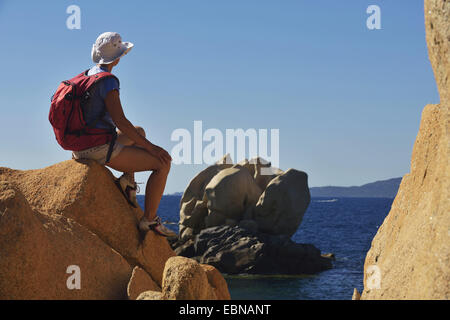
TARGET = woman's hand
x,y
160,153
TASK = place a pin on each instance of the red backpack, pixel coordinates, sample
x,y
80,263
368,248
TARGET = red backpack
x,y
67,119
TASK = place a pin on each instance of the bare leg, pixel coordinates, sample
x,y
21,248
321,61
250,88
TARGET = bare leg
x,y
154,192
133,159
123,139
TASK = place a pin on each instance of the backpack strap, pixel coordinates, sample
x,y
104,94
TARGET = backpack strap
x,y
94,80
111,146
100,119
102,75
99,77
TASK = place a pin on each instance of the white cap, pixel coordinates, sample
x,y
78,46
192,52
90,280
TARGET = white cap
x,y
109,47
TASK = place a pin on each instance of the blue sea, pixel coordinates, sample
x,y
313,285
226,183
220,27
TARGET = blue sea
x,y
343,226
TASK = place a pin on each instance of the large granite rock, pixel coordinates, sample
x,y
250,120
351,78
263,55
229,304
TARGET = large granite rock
x,y
239,218
140,282
230,192
236,250
217,282
281,207
67,214
226,194
410,255
38,249
261,170
185,279
437,29
193,204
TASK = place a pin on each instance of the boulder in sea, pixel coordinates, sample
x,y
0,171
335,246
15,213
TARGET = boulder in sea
x,y
193,205
226,194
239,218
235,250
230,192
281,207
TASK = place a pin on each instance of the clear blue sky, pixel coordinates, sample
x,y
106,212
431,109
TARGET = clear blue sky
x,y
347,100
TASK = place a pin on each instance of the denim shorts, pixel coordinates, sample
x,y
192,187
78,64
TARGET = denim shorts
x,y
98,153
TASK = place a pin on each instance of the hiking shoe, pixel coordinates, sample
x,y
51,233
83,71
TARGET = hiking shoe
x,y
128,188
156,226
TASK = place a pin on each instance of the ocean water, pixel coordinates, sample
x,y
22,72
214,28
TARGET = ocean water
x,y
343,226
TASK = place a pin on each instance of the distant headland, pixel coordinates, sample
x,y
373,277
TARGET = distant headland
x,y
379,189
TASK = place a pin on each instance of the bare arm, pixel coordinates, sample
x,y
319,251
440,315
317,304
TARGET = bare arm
x,y
114,107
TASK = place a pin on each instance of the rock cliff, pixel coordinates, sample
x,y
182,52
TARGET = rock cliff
x,y
71,214
410,255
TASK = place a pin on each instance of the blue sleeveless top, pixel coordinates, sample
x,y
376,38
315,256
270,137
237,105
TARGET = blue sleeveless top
x,y
96,103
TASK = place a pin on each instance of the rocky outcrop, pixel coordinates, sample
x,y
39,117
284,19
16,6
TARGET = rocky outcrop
x,y
193,205
239,218
236,250
437,27
356,295
217,282
410,255
281,207
38,249
150,295
226,194
230,193
72,214
140,282
185,279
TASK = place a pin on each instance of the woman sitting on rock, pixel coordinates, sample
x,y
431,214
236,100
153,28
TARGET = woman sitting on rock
x,y
131,152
